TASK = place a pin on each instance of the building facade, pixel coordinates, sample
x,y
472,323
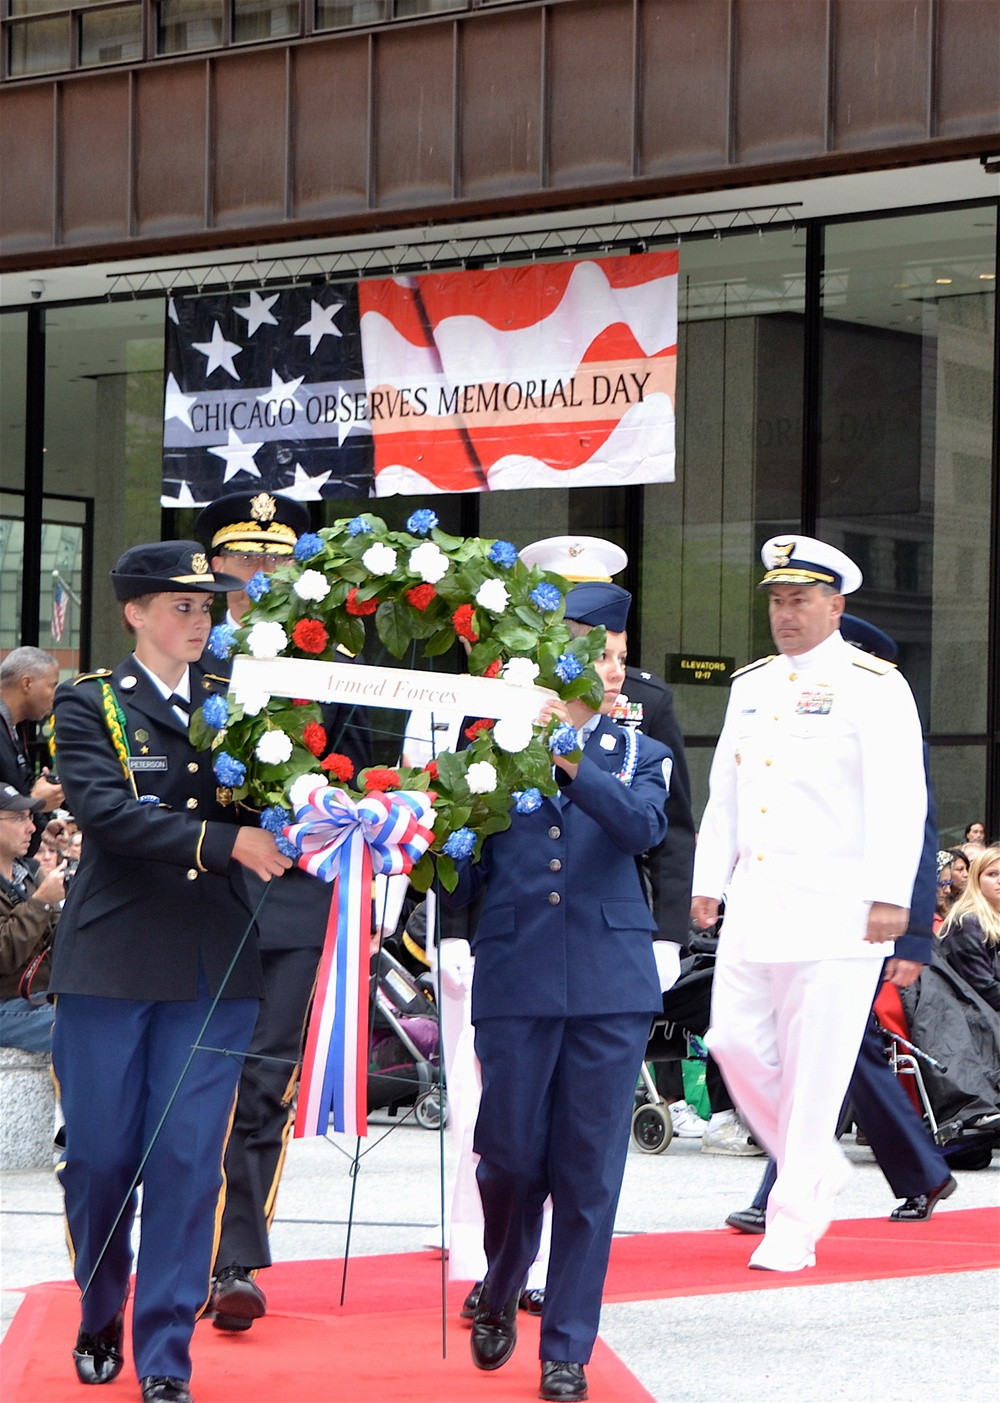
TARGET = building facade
x,y
827,168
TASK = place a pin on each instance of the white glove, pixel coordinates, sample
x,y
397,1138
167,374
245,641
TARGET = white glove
x,y
456,964
667,954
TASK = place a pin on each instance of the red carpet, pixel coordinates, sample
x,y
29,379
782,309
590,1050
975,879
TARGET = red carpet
x,y
309,1349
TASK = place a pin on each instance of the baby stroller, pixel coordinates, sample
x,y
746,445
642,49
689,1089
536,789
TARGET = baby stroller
x,y
674,1037
403,1062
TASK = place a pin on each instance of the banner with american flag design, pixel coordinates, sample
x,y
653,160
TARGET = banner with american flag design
x,y
548,375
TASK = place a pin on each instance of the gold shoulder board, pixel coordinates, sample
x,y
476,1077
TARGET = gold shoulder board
x,y
750,666
91,676
873,664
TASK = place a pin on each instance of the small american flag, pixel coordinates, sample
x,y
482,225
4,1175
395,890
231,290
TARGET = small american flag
x,y
60,603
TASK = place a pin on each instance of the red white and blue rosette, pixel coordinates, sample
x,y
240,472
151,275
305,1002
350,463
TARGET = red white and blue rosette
x,y
348,841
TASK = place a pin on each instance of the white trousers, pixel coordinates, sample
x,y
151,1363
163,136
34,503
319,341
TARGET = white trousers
x,y
464,1229
787,1037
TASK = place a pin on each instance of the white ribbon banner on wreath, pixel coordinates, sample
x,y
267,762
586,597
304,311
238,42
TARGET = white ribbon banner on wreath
x,y
400,689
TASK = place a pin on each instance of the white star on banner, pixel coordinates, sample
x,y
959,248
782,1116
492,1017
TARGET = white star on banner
x,y
305,488
320,323
219,351
258,313
176,404
185,498
282,389
239,456
346,426
172,312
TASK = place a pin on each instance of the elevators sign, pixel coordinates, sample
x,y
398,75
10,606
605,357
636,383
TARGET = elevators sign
x,y
698,670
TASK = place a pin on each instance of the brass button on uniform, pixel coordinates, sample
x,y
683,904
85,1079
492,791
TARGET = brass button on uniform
x,y
192,767
554,898
760,857
192,873
763,808
192,803
793,676
767,762
555,832
555,865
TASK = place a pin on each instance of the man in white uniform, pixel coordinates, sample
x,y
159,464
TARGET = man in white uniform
x,y
813,832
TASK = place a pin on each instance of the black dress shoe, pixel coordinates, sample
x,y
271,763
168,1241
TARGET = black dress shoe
x,y
919,1208
160,1388
532,1302
748,1220
98,1358
562,1379
237,1300
471,1301
494,1332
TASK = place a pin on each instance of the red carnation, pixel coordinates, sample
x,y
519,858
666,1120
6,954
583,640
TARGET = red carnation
x,y
494,668
477,727
314,738
310,635
301,701
380,780
462,620
338,765
421,595
359,607
431,768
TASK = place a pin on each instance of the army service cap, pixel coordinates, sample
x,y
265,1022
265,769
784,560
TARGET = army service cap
x,y
252,523
168,567
802,560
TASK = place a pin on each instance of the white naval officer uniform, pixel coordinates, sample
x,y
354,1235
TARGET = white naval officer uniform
x,y
816,810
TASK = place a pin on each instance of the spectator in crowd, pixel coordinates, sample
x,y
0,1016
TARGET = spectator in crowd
x,y
29,909
970,936
28,678
943,899
959,873
155,965
975,839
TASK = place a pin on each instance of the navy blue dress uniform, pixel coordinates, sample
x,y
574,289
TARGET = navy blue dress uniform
x,y
564,991
244,531
152,932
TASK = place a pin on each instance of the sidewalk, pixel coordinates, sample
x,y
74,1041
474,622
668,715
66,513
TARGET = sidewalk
x,y
909,1340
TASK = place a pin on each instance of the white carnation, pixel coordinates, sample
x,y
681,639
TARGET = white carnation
x,y
513,734
520,672
267,640
252,702
492,595
274,748
298,793
379,559
429,562
481,777
312,585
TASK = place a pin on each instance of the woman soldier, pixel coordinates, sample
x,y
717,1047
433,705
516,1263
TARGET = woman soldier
x,y
152,969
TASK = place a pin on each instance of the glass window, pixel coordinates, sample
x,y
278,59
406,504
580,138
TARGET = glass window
x,y
406,9
111,36
342,14
256,20
906,440
39,46
103,435
13,350
188,24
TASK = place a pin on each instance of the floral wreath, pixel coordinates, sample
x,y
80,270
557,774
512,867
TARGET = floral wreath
x,y
421,586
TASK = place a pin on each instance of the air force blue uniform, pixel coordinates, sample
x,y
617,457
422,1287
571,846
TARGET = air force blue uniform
x,y
564,991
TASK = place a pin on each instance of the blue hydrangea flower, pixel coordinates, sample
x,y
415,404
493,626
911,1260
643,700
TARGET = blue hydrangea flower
x,y
258,585
275,818
216,713
563,740
462,843
229,771
286,847
358,526
545,597
568,667
308,545
222,641
149,798
528,800
502,553
422,522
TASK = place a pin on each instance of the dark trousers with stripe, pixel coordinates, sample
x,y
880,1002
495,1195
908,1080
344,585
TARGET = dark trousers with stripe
x,y
554,1119
255,1155
118,1062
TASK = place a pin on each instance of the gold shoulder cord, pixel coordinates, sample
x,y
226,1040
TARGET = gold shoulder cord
x,y
115,718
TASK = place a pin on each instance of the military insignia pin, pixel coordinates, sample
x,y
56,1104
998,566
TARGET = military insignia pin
x,y
199,564
141,734
263,507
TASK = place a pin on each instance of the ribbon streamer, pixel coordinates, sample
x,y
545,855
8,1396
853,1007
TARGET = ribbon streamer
x,y
348,841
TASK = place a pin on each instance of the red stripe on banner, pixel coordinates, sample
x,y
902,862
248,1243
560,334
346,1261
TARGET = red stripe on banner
x,y
363,996
312,1075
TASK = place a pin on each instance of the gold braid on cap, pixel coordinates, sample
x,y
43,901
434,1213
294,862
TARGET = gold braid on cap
x,y
254,539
